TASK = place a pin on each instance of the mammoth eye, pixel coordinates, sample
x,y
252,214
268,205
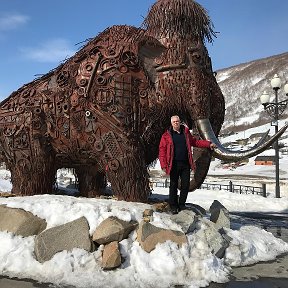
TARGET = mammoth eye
x,y
196,58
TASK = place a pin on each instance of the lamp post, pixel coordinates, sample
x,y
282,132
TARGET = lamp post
x,y
275,109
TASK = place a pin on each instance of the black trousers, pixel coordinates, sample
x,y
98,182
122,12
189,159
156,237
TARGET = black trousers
x,y
179,170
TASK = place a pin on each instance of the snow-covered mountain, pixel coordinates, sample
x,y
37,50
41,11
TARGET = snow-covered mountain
x,y
242,86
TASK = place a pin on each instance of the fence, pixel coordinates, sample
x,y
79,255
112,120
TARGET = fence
x,y
234,188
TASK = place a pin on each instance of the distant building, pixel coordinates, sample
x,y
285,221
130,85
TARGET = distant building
x,y
256,136
242,141
284,151
265,160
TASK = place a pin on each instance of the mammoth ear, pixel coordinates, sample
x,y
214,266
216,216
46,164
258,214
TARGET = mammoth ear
x,y
149,49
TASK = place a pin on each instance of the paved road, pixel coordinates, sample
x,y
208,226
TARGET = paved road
x,y
24,283
272,274
6,282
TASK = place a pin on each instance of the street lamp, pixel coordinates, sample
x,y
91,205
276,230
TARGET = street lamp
x,y
275,109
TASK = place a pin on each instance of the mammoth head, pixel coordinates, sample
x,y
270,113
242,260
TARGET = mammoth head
x,y
182,72
182,26
184,67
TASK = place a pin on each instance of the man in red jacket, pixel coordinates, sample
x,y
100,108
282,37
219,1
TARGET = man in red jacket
x,y
176,160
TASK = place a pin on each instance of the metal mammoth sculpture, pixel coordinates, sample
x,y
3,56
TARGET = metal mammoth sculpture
x,y
103,111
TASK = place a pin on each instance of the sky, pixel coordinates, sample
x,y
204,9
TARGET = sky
x,y
192,265
36,36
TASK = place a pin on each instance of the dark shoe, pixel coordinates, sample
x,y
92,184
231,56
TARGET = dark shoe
x,y
182,207
174,210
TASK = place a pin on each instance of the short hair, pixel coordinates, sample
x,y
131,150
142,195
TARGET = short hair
x,y
175,116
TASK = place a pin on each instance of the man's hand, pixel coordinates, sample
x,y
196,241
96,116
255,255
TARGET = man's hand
x,y
163,173
213,146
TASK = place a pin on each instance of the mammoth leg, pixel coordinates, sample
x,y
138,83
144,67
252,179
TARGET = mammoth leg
x,y
33,177
92,182
129,177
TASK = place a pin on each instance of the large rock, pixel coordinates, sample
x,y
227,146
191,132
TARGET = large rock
x,y
113,229
71,235
221,218
213,237
20,222
219,215
149,236
186,219
111,257
216,205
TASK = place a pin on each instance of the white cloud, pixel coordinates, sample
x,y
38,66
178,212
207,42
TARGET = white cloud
x,y
54,50
12,21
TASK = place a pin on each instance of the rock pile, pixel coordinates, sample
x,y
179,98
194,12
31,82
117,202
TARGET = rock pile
x,y
112,230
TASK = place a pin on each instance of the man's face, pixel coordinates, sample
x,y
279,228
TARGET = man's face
x,y
175,122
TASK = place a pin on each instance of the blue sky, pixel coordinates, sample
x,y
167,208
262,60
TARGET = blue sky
x,y
35,36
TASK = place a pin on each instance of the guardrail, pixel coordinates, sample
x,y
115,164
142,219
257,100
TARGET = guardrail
x,y
234,188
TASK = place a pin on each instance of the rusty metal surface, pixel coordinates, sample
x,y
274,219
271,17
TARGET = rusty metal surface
x,y
103,111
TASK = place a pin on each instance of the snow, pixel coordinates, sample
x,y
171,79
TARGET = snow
x,y
256,80
191,265
223,76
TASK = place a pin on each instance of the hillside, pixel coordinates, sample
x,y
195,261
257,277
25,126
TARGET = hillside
x,y
242,86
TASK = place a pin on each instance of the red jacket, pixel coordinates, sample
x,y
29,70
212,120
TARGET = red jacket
x,y
166,149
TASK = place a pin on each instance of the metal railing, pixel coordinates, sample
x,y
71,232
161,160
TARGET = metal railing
x,y
234,188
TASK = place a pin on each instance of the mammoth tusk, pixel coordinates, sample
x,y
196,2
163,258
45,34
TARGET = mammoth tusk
x,y
206,132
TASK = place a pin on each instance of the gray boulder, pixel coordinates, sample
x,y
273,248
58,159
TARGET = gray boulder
x,y
20,222
213,237
219,215
216,205
68,236
186,219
